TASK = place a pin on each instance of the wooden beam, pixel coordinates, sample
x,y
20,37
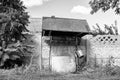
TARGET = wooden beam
x,y
50,67
42,34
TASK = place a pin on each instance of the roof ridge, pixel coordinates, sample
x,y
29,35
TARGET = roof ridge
x,y
64,18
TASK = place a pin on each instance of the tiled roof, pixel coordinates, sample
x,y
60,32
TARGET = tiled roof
x,y
65,24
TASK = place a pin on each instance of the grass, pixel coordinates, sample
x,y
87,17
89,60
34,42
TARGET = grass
x,y
107,72
35,74
47,75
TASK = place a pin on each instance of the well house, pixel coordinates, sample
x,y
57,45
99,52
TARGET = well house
x,y
57,39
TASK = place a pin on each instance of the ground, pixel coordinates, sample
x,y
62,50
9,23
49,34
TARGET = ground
x,y
47,75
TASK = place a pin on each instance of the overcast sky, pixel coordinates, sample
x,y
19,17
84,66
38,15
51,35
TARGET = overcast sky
x,y
78,9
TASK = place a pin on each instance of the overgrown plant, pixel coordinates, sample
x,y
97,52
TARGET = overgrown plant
x,y
112,30
109,67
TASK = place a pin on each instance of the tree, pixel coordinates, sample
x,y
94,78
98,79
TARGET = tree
x,y
105,5
13,22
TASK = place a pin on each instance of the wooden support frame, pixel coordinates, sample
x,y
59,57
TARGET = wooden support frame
x,y
50,67
86,44
42,34
76,61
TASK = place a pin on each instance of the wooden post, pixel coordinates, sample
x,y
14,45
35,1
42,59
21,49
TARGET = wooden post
x,y
88,46
42,34
87,54
50,52
76,56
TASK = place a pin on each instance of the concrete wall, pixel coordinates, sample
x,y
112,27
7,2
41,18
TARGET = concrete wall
x,y
35,25
64,64
102,47
60,58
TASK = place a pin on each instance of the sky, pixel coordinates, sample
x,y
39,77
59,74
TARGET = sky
x,y
77,9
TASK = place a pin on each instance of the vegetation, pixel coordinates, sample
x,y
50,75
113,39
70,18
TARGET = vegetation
x,y
13,22
105,5
112,30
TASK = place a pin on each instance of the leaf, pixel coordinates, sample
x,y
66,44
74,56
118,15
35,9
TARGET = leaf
x,y
104,5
